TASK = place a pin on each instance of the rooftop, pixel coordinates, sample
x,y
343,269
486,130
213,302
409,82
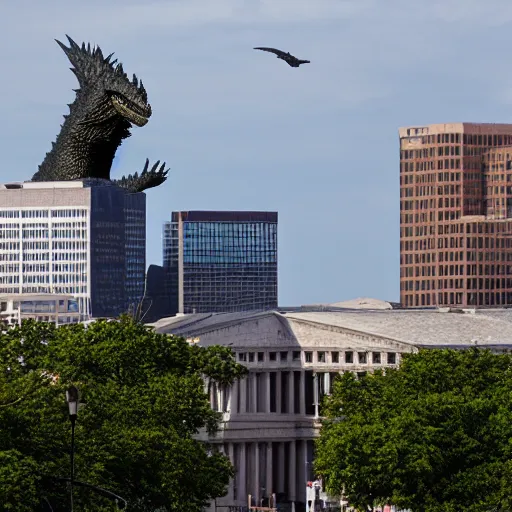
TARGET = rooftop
x,y
31,185
441,328
224,216
464,127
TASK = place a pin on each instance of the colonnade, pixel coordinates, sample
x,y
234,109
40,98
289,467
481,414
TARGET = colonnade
x,y
264,468
282,392
276,465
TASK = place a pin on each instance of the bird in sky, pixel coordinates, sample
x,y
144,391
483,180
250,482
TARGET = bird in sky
x,y
292,61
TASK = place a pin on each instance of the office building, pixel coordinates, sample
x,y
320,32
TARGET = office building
x,y
456,215
81,238
59,309
156,302
221,261
135,247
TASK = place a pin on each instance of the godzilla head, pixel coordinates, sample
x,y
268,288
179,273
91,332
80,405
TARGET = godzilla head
x,y
109,91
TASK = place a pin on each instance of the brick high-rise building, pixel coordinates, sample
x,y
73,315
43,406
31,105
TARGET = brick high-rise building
x,y
456,215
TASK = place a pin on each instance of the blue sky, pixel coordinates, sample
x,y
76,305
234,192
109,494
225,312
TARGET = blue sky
x,y
242,130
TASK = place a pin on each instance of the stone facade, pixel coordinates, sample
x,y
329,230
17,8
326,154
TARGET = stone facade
x,y
271,418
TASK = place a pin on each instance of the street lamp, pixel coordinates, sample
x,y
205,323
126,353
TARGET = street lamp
x,y
72,400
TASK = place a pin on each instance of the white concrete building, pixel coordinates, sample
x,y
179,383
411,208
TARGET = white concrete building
x,y
271,418
83,238
44,307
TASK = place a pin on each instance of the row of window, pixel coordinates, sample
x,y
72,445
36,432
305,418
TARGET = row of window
x,y
456,298
42,214
457,284
455,138
431,190
411,179
440,138
43,256
348,357
45,288
430,165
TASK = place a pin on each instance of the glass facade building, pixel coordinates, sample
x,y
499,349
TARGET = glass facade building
x,y
85,239
221,261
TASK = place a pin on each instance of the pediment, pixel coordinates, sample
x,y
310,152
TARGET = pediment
x,y
329,337
265,330
272,329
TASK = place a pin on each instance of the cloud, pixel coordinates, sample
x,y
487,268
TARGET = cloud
x,y
468,12
134,16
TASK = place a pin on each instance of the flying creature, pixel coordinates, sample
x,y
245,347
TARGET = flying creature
x,y
292,61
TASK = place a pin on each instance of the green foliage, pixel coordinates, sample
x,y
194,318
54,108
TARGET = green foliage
x,y
434,435
144,403
19,482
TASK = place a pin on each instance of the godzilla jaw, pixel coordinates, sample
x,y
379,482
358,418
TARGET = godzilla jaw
x,y
135,114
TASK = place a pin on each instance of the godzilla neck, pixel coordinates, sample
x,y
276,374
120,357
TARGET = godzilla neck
x,y
83,151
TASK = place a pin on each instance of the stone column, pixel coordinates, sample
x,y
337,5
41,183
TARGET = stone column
x,y
292,475
220,397
233,398
256,477
231,488
281,468
302,393
327,382
242,386
291,393
316,392
254,392
278,391
267,392
269,480
301,469
242,480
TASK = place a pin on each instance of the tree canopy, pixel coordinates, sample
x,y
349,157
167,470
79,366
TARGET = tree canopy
x,y
434,435
144,403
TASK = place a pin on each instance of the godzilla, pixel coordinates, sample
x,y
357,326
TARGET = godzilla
x,y
106,106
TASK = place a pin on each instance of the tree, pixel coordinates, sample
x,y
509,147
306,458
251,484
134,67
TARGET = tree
x,y
144,404
434,435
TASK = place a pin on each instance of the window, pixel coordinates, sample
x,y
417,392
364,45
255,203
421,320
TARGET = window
x,y
296,355
261,356
349,357
242,356
320,357
335,357
272,356
251,357
391,358
283,356
308,357
376,357
362,357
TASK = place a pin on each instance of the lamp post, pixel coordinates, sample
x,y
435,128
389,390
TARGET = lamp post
x,y
72,400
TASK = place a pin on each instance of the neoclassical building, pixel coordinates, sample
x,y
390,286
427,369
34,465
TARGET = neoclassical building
x,y
271,418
